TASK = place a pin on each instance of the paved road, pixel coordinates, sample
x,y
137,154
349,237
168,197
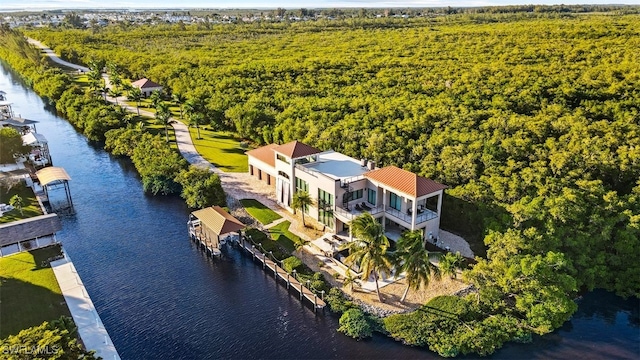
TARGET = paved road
x,y
55,57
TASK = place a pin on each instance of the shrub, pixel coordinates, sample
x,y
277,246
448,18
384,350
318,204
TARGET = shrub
x,y
354,323
58,335
338,303
291,263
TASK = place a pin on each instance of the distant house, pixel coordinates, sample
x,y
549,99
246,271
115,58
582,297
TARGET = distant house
x,y
146,86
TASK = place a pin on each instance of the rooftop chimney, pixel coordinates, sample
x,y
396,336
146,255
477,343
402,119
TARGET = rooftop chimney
x,y
363,162
371,165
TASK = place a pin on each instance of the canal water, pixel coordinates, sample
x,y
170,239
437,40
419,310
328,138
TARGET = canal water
x,y
161,298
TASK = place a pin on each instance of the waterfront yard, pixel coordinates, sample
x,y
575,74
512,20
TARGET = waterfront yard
x,y
259,211
284,237
30,207
29,293
220,149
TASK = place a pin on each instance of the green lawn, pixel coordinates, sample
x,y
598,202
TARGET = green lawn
x,y
259,211
29,294
281,234
30,208
220,149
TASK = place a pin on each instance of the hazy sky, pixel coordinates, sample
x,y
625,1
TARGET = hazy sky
x,y
142,4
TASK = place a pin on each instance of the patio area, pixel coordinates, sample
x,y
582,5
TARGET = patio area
x,y
327,249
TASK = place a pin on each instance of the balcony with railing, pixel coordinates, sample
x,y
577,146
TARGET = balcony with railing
x,y
355,210
345,182
423,215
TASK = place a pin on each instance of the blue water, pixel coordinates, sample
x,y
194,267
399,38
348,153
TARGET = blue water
x,y
161,298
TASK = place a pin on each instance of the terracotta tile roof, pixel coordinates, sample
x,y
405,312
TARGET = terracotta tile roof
x,y
265,154
145,83
296,149
404,181
218,220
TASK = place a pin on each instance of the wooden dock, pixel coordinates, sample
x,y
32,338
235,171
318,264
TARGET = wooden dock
x,y
279,273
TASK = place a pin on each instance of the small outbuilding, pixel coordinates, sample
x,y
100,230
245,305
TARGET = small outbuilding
x,y
146,86
207,226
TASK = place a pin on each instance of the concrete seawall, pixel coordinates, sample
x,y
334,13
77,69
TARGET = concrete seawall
x,y
90,326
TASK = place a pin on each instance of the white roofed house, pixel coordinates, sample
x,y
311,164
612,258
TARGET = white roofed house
x,y
343,187
146,86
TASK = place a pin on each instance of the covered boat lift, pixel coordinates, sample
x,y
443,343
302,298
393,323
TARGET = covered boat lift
x,y
53,177
23,125
206,226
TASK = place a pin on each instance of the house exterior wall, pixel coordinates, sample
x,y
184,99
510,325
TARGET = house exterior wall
x,y
406,217
318,182
262,171
146,92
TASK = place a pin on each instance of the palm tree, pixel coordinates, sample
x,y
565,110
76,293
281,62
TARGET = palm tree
x,y
195,119
135,95
17,202
104,90
163,116
127,87
95,77
156,98
97,65
450,263
349,279
415,261
129,118
369,249
301,200
116,81
115,93
179,99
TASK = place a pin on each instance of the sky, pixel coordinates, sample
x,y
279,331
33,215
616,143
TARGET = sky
x,y
257,4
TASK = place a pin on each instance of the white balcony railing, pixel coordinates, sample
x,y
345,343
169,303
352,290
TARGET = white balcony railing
x,y
421,216
353,211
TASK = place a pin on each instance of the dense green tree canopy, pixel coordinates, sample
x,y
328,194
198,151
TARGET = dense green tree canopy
x,y
11,145
531,119
201,188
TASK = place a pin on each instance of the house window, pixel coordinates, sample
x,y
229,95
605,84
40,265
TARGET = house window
x,y
325,208
356,194
395,201
283,174
371,196
302,185
282,158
